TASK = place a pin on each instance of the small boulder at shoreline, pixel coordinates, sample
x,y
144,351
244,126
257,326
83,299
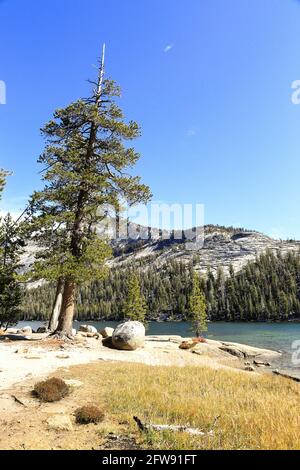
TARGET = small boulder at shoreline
x,y
27,330
129,336
42,329
88,329
107,332
12,331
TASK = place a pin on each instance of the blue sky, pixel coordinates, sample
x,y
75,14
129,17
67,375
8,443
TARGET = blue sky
x,y
209,81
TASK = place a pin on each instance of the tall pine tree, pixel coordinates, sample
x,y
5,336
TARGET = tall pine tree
x,y
11,244
87,166
134,306
2,181
197,307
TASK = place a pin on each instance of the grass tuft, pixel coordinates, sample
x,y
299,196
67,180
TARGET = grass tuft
x,y
51,390
89,414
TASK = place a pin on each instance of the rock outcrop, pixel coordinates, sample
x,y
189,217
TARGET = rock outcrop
x,y
221,247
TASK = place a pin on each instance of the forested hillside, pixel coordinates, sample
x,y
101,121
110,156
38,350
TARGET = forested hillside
x,y
265,289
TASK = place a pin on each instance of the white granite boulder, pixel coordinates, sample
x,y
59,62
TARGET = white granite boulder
x,y
129,336
27,330
88,329
107,332
12,331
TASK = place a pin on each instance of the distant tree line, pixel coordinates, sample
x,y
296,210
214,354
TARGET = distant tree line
x,y
265,289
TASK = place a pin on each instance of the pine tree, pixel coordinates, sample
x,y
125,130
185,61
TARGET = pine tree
x,y
134,308
3,175
86,167
10,290
197,307
2,180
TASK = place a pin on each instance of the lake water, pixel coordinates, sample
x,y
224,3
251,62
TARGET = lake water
x,y
276,336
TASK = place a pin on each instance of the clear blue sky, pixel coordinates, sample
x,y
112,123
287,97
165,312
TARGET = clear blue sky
x,y
219,127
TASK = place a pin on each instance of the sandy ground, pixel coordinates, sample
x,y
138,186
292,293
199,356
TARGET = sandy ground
x,y
92,370
21,360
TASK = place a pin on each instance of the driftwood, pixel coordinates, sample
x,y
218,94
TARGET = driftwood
x,y
17,400
176,428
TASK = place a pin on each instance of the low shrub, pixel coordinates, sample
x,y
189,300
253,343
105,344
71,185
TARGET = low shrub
x,y
89,414
51,390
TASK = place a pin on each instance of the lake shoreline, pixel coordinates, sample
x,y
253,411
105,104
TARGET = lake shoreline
x,y
275,336
40,355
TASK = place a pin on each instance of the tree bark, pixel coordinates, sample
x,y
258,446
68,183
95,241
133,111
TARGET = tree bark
x,y
53,322
65,322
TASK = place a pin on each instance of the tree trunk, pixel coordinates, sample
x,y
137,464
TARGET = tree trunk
x,y
53,322
65,322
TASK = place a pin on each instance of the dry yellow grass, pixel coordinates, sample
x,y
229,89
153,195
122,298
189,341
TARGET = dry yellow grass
x,y
256,411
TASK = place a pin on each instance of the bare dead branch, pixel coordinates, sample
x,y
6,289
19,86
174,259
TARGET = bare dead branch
x,y
175,428
18,401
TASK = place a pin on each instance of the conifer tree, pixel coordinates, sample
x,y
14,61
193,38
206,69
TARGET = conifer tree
x,y
2,181
10,289
134,308
87,166
197,307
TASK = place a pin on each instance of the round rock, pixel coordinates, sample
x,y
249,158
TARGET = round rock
x,y
107,332
88,329
129,336
27,330
42,329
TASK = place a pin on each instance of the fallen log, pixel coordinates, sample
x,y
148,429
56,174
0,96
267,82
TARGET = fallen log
x,y
145,427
